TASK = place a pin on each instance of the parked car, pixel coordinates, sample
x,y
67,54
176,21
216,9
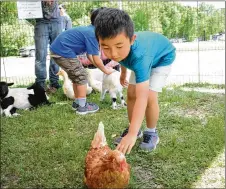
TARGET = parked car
x,y
218,37
29,51
198,39
178,40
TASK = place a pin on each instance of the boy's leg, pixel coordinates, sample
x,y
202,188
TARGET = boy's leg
x,y
80,90
152,110
80,95
78,75
157,82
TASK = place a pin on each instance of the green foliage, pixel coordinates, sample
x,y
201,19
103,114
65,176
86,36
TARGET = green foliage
x,y
210,21
189,27
170,18
15,36
83,8
141,20
8,13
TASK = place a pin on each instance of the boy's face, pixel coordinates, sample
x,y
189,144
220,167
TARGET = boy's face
x,y
116,48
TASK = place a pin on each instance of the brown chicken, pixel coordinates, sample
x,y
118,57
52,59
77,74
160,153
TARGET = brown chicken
x,y
105,168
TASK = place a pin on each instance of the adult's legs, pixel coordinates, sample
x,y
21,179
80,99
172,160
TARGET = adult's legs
x,y
41,42
54,30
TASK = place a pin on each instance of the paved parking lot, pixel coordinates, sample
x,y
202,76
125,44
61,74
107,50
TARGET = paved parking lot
x,y
189,64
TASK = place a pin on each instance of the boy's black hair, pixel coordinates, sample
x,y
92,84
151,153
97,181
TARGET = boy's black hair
x,y
94,12
111,22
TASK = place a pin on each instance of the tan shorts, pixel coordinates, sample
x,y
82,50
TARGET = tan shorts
x,y
74,68
157,78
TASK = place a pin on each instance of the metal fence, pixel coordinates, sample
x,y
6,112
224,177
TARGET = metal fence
x,y
197,31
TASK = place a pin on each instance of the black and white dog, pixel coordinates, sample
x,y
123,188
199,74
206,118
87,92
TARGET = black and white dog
x,y
12,99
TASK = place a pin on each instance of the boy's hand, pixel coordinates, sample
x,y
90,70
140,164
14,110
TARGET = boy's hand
x,y
108,71
123,80
127,143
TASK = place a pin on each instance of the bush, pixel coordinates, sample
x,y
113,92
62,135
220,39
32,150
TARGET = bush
x,y
15,36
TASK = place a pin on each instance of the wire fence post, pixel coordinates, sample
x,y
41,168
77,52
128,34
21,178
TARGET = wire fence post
x,y
198,43
120,4
3,61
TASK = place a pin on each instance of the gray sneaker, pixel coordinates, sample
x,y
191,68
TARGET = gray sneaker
x,y
118,140
150,141
88,108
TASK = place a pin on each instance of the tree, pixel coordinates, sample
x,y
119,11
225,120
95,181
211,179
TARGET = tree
x,y
8,12
170,18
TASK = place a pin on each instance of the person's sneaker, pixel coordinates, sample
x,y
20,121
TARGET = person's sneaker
x,y
150,140
88,108
75,105
57,86
51,90
118,140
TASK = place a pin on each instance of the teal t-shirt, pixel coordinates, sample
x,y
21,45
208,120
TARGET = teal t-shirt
x,y
149,50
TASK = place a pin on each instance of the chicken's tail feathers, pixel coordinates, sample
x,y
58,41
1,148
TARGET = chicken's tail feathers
x,y
99,139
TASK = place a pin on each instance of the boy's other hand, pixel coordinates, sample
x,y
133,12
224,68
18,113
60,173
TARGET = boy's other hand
x,y
127,143
123,80
108,71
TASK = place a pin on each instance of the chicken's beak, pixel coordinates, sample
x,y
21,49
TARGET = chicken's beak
x,y
120,156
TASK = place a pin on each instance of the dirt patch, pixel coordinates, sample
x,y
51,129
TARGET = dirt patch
x,y
13,179
205,90
191,113
145,177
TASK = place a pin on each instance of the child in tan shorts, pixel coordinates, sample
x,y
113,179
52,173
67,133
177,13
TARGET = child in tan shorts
x,y
64,51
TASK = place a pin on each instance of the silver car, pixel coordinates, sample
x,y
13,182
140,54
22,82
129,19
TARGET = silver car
x,y
27,51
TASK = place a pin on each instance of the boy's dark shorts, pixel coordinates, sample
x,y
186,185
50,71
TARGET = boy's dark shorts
x,y
74,68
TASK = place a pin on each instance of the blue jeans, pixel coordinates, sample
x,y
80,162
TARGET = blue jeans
x,y
45,33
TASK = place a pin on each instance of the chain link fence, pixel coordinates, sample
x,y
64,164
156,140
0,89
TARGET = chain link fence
x,y
198,33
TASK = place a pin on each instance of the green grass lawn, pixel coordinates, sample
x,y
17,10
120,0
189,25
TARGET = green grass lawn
x,y
47,147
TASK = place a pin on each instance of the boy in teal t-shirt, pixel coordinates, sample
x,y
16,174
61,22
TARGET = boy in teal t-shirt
x,y
149,56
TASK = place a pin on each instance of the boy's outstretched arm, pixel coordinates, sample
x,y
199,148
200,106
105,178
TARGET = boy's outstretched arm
x,y
123,70
123,75
95,59
128,141
90,58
